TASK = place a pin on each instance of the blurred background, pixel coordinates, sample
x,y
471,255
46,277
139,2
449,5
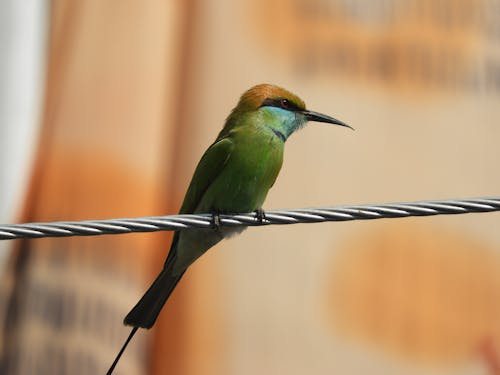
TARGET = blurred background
x,y
105,109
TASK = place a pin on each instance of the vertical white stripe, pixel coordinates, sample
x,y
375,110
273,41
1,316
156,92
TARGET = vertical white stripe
x,y
23,41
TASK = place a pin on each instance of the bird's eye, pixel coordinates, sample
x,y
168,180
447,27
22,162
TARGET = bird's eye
x,y
285,104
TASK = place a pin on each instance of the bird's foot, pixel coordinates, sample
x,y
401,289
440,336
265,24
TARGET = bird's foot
x,y
216,222
260,215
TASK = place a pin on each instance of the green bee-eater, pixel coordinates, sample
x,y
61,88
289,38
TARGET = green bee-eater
x,y
233,176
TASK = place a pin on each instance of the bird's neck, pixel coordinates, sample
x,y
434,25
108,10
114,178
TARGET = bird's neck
x,y
277,121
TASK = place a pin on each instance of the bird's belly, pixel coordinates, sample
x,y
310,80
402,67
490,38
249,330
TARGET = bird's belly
x,y
193,243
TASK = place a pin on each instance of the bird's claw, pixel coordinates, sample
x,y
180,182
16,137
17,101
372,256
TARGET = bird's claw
x,y
216,222
260,215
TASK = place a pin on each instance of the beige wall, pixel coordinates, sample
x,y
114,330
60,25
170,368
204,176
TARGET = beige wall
x,y
417,80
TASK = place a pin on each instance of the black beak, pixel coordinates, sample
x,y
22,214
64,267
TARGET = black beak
x,y
319,117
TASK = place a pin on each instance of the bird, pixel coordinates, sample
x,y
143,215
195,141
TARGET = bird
x,y
234,175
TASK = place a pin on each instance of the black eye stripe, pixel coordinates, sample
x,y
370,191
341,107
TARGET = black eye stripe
x,y
280,103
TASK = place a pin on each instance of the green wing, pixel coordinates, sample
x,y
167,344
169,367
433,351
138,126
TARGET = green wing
x,y
209,167
211,164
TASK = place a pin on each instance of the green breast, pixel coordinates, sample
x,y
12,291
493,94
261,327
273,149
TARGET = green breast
x,y
250,172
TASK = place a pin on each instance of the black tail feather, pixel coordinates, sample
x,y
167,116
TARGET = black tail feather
x,y
117,358
146,311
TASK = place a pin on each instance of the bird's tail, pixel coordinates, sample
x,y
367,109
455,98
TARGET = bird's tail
x,y
146,311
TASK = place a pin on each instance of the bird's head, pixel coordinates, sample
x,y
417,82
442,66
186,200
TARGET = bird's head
x,y
277,108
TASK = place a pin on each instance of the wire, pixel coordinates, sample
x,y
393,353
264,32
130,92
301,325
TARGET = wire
x,y
295,216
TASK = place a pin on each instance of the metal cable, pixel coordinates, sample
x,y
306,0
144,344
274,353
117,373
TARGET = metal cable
x,y
296,216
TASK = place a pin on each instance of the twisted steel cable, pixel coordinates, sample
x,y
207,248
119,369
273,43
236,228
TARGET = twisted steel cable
x,y
295,216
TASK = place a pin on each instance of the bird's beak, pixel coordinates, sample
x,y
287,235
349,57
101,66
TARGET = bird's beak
x,y
319,117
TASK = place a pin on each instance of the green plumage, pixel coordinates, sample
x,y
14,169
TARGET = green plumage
x,y
250,159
